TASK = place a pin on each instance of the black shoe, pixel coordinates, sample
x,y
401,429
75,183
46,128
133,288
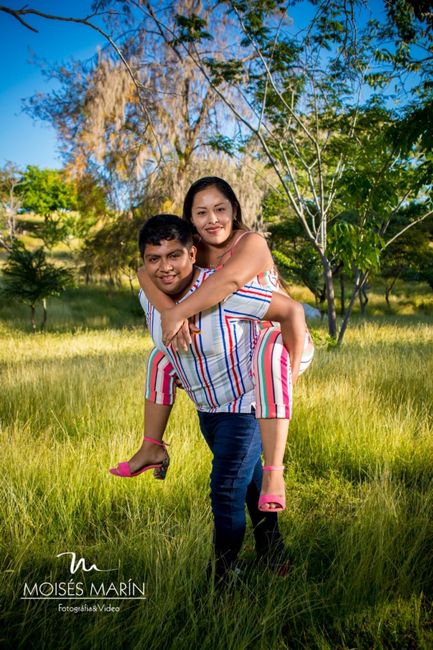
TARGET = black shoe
x,y
275,557
223,574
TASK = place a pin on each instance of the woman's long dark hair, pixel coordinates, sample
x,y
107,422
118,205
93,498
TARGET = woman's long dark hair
x,y
224,188
227,191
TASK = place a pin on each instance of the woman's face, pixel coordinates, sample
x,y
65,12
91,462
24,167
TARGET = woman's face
x,y
212,215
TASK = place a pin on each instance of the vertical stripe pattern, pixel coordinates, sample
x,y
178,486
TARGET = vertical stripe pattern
x,y
161,381
232,363
215,371
272,373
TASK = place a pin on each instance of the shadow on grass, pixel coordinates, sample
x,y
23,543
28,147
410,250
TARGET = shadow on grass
x,y
357,582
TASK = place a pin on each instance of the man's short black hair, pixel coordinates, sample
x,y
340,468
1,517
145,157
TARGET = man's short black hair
x,y
164,226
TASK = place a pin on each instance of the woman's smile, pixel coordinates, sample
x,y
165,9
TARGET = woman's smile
x,y
212,215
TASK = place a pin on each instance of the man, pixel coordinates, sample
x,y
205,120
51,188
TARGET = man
x,y
216,374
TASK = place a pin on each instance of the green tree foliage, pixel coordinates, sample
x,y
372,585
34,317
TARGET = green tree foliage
x,y
92,203
112,250
30,279
405,47
298,94
70,208
46,193
306,101
290,248
409,257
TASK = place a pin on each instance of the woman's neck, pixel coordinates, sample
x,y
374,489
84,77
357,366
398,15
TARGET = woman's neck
x,y
212,255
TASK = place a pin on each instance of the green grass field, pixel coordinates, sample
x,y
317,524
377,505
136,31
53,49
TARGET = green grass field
x,y
359,521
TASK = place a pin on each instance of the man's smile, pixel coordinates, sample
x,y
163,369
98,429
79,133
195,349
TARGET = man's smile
x,y
168,279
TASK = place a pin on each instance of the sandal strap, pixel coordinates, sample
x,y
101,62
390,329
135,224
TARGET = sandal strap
x,y
271,468
155,442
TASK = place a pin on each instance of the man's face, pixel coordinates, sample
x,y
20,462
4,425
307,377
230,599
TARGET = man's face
x,y
170,265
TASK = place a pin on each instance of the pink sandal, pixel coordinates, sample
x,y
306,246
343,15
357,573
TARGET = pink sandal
x,y
280,501
160,469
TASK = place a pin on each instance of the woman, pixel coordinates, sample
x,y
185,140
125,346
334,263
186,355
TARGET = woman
x,y
224,243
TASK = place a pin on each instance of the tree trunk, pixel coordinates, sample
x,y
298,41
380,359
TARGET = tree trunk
x,y
130,278
363,299
332,316
32,318
389,288
342,294
360,280
44,317
387,294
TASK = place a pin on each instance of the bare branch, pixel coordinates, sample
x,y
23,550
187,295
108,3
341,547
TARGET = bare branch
x,y
86,21
271,78
409,225
16,14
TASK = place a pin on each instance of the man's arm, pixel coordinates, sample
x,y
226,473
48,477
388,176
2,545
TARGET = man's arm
x,y
290,315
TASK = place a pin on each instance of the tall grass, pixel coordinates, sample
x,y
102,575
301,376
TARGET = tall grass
x,y
358,526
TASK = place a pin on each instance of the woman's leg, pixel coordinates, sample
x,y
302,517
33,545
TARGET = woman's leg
x,y
155,421
160,392
268,540
273,389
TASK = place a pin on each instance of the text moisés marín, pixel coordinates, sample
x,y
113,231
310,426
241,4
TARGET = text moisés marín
x,y
71,588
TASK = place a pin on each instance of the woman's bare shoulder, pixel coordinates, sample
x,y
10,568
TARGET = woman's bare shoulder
x,y
249,242
249,251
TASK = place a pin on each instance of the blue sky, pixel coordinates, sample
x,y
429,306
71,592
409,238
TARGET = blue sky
x,y
21,139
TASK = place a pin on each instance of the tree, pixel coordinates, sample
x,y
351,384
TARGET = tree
x,y
138,117
126,119
381,179
70,206
10,180
46,192
30,279
296,98
112,250
408,257
289,246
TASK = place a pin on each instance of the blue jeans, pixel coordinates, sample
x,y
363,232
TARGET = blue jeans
x,y
236,479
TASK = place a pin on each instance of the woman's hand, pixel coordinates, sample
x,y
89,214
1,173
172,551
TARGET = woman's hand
x,y
176,330
171,323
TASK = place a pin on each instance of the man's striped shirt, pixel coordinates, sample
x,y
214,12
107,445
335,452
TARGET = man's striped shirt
x,y
215,371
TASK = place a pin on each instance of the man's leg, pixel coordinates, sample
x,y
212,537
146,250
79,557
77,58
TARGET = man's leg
x,y
234,439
